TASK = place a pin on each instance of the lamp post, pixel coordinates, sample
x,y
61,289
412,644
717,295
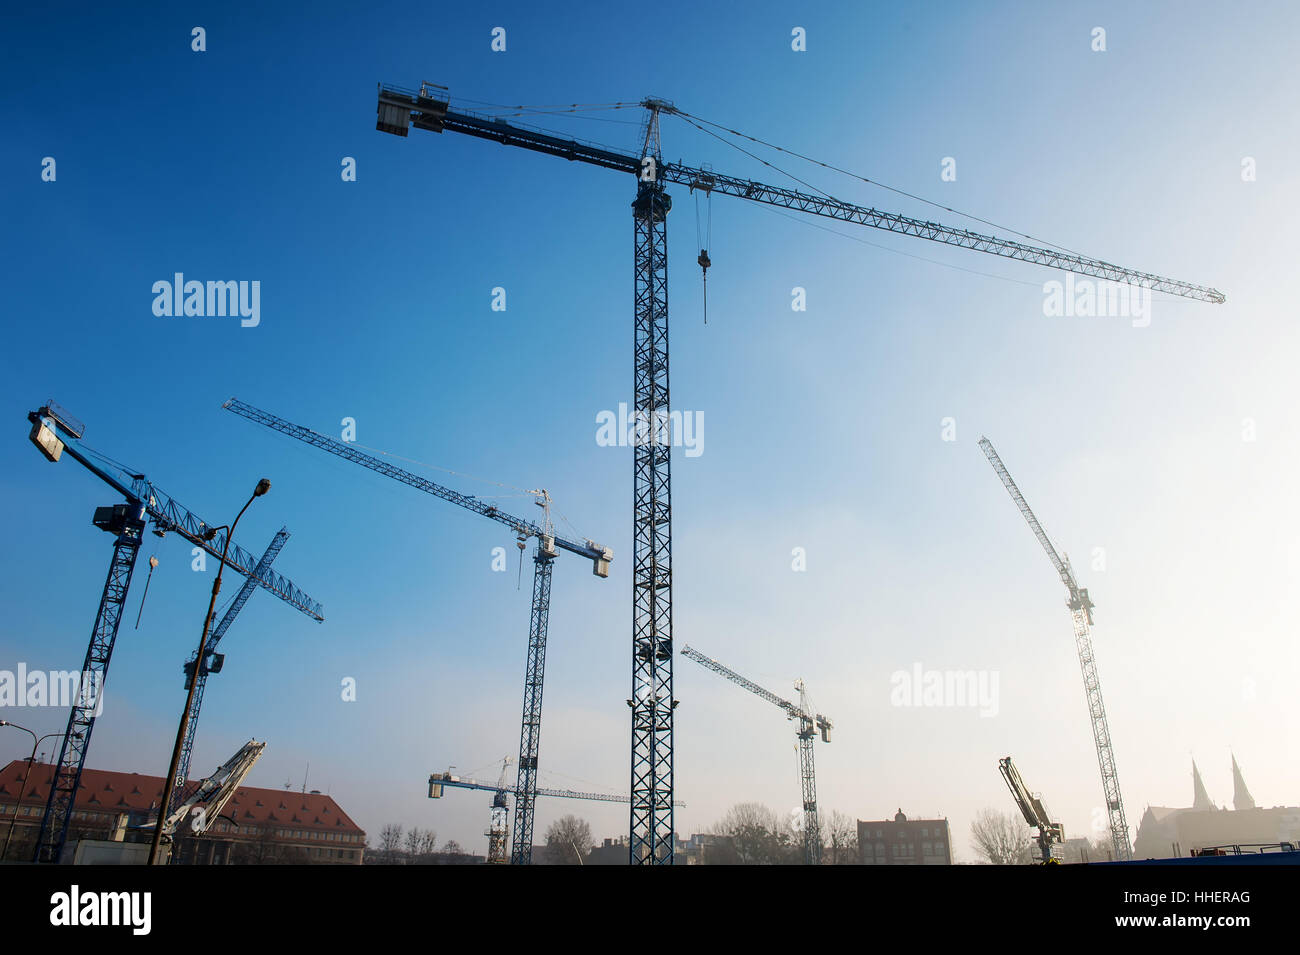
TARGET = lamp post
x,y
22,787
262,487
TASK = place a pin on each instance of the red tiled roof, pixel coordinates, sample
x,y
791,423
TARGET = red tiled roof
x,y
103,789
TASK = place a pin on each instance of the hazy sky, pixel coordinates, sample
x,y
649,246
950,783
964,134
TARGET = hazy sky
x,y
1171,447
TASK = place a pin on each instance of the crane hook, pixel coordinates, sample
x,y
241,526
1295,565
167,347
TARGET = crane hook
x,y
703,260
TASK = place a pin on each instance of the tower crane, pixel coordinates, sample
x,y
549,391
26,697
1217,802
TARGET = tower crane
x,y
1032,808
548,547
55,431
437,780
808,725
652,702
1081,606
214,661
496,831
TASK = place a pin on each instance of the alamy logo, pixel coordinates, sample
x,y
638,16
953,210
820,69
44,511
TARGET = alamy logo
x,y
678,429
211,299
921,687
1101,299
61,688
75,907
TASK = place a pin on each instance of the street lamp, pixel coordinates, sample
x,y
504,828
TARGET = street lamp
x,y
22,787
262,487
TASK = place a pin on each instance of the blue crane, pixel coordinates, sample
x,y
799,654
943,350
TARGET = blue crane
x,y
809,724
54,432
496,830
214,661
652,702
546,552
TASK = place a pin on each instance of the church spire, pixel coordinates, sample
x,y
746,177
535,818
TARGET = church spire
x,y
1200,798
1241,797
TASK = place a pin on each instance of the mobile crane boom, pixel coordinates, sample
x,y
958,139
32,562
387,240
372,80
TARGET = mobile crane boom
x,y
1032,808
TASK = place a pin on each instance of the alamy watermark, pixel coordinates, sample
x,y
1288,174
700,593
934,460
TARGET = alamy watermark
x,y
209,300
61,688
956,688
678,429
1087,298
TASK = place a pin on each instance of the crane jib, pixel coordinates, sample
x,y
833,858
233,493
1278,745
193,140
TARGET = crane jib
x,y
600,556
399,110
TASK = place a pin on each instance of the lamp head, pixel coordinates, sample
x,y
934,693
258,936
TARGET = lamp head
x,y
262,487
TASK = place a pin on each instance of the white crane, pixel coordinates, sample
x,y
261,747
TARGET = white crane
x,y
1032,808
214,791
1080,605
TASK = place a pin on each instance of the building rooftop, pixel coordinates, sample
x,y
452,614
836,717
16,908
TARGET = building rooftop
x,y
108,791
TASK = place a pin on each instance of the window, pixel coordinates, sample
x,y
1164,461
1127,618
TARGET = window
x,y
925,849
925,833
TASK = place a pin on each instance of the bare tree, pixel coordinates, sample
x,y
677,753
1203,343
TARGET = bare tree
x,y
412,843
428,842
390,842
1102,851
1000,838
842,831
568,840
757,835
452,848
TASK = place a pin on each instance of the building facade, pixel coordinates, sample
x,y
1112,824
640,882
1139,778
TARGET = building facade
x,y
1165,832
903,841
257,826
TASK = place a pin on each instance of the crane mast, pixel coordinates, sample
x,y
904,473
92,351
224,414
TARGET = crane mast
x,y
548,546
212,662
1032,808
652,702
498,832
1080,606
808,725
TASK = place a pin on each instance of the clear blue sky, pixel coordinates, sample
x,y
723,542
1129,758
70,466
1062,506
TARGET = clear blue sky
x,y
822,428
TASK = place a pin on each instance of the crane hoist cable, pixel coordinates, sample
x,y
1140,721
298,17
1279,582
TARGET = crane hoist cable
x,y
153,562
704,240
691,120
853,175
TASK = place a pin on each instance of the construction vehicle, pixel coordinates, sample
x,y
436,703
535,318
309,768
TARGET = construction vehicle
x,y
652,701
808,725
1050,834
211,794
